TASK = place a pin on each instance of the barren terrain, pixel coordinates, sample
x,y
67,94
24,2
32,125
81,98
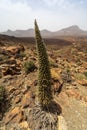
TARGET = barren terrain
x,y
68,63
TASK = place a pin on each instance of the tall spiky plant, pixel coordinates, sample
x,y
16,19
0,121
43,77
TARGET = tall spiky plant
x,y
44,76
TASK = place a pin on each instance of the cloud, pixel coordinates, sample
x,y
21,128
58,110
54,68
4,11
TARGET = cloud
x,y
54,2
81,1
15,6
66,4
50,2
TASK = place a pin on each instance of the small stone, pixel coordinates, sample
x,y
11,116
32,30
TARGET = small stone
x,y
85,98
17,92
83,82
27,100
24,125
25,90
17,100
11,89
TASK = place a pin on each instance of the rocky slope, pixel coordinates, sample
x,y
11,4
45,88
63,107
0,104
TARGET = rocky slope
x,y
69,81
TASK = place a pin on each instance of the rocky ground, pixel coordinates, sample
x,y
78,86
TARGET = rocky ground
x,y
69,81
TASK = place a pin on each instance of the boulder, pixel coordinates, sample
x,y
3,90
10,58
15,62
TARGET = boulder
x,y
16,115
62,125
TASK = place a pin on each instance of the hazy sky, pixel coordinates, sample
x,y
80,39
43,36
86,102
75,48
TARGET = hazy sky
x,y
50,14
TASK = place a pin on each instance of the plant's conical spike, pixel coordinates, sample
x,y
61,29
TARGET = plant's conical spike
x,y
44,76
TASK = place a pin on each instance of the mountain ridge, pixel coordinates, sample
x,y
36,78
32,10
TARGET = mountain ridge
x,y
73,30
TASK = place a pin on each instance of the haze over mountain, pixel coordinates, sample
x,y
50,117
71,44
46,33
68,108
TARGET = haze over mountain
x,y
69,31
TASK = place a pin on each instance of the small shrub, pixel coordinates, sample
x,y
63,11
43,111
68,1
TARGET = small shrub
x,y
85,73
78,61
3,58
4,102
2,94
0,75
22,54
29,66
68,70
80,76
66,76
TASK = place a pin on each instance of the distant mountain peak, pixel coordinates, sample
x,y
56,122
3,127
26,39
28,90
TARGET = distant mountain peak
x,y
9,30
75,26
45,30
30,29
72,28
